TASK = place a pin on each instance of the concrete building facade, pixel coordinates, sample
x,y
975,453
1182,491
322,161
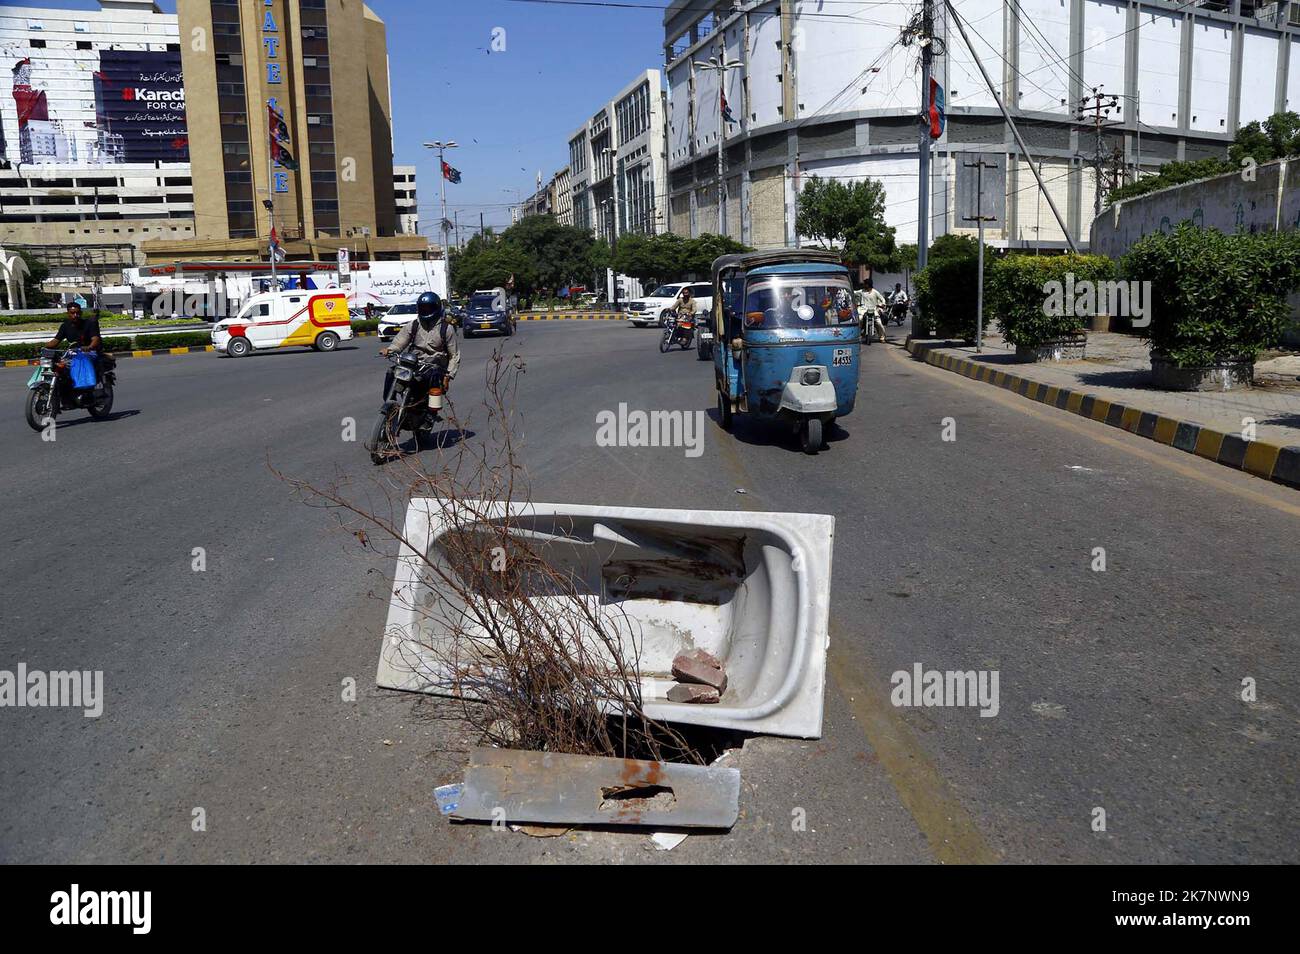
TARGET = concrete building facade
x,y
836,94
324,64
94,153
404,198
618,163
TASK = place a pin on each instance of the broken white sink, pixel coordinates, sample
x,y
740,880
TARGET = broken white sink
x,y
753,589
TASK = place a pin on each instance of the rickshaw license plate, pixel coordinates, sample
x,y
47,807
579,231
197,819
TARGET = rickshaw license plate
x,y
842,357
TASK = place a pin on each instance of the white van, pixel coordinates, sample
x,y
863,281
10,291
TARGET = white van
x,y
285,319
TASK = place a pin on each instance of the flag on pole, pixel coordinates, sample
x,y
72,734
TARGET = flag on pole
x,y
450,174
936,109
282,157
726,110
277,250
279,129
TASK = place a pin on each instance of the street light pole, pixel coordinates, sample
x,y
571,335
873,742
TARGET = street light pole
x,y
613,243
721,65
441,147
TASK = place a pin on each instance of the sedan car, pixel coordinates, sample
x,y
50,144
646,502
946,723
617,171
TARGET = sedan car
x,y
396,317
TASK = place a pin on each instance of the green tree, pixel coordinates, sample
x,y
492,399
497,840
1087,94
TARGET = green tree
x,y
558,253
1276,138
494,267
699,253
851,215
37,273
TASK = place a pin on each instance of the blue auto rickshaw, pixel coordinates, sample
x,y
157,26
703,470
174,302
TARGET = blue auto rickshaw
x,y
787,339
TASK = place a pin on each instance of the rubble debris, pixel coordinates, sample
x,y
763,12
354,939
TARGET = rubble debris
x,y
447,796
667,840
523,787
687,692
700,667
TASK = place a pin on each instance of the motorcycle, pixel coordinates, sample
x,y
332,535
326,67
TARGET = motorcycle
x,y
408,404
680,332
897,312
50,389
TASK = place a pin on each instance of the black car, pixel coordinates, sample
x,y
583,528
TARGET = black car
x,y
488,311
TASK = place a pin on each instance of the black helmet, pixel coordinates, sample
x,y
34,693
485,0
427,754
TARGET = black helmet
x,y
429,305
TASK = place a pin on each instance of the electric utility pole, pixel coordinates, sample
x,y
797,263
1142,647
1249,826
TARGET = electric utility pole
x,y
1015,130
442,147
979,166
923,195
1100,105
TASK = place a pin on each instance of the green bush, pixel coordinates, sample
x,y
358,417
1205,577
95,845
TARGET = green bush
x,y
361,325
945,294
32,349
1030,312
54,317
184,339
1214,296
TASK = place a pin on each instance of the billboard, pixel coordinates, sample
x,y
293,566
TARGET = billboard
x,y
123,106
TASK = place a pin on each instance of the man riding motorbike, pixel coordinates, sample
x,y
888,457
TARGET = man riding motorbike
x,y
433,337
873,306
899,303
78,331
83,333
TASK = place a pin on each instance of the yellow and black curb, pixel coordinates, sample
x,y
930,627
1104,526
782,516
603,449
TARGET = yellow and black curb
x,y
152,352
564,315
1270,461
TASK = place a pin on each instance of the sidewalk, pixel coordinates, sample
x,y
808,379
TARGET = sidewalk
x,y
1110,385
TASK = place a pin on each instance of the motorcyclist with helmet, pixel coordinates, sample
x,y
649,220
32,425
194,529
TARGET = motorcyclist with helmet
x,y
433,337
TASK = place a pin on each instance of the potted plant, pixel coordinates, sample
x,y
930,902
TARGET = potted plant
x,y
1045,304
1216,301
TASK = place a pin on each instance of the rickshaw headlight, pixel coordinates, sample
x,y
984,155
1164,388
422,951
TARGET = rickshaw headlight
x,y
811,376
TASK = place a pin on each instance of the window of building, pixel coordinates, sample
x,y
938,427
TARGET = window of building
x,y
83,44
37,44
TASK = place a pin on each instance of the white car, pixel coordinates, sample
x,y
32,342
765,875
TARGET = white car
x,y
395,318
653,308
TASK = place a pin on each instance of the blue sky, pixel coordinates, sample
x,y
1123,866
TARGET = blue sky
x,y
511,112
560,64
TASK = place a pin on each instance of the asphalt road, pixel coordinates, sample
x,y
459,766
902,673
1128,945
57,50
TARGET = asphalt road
x,y
1119,690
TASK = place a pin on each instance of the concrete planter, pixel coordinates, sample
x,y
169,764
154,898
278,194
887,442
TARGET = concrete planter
x,y
1065,348
1227,375
1099,323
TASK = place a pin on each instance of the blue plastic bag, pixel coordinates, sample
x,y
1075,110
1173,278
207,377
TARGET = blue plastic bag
x,y
82,370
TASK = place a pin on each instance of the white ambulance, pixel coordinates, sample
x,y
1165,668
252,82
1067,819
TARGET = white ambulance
x,y
285,319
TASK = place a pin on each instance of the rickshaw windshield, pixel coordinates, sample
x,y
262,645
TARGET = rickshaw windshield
x,y
799,301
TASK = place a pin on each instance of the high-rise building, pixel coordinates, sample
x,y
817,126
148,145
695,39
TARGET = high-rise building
x,y
322,65
835,93
94,153
617,163
407,207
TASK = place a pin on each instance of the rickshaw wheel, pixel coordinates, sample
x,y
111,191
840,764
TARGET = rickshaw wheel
x,y
724,412
811,434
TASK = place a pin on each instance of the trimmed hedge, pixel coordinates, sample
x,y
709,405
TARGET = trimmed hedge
x,y
1019,292
54,317
184,339
1215,297
32,349
945,295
